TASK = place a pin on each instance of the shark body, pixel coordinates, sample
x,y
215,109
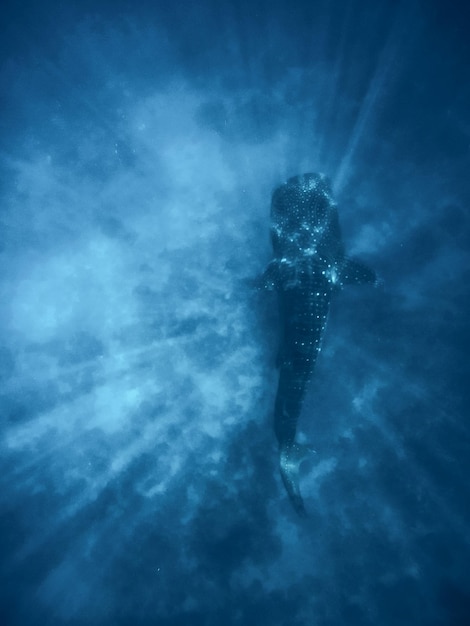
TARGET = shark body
x,y
308,267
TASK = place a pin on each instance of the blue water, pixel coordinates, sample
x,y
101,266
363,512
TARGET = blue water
x,y
139,481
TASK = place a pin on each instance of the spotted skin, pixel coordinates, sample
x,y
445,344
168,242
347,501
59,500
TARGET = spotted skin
x,y
309,265
304,314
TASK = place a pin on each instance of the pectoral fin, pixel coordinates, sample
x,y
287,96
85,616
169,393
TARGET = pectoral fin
x,y
269,278
356,273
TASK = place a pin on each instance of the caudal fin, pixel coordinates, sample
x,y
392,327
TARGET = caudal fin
x,y
290,458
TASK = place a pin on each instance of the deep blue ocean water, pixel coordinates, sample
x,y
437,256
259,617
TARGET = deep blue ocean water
x,y
139,480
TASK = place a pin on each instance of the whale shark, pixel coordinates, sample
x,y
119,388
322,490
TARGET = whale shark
x,y
309,266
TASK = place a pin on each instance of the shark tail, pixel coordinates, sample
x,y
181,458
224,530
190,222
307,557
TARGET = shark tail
x,y
290,458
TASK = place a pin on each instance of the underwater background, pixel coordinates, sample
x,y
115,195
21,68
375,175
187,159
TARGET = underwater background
x,y
139,480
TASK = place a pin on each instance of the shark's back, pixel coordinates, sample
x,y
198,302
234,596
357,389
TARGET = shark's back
x,y
309,265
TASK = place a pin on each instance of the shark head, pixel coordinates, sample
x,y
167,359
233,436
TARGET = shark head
x,y
311,182
301,214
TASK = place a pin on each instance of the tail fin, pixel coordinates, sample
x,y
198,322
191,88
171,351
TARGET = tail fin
x,y
290,458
